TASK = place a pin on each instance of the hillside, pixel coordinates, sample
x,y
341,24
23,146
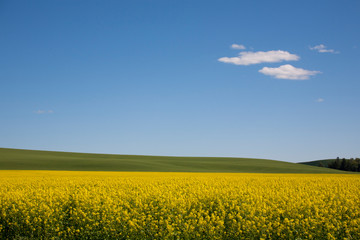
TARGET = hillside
x,y
317,163
17,159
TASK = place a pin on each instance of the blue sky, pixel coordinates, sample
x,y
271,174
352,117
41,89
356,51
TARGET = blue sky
x,y
164,78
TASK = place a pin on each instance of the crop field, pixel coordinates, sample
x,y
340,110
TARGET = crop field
x,y
19,159
153,205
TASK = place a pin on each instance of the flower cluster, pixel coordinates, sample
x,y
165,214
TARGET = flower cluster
x,y
134,205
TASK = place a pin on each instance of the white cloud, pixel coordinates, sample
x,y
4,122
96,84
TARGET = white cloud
x,y
288,72
237,46
322,49
248,58
43,111
320,100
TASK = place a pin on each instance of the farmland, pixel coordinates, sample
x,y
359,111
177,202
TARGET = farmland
x,y
153,205
60,195
18,159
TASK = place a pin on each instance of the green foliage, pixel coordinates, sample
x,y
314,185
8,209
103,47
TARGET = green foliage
x,y
351,164
16,159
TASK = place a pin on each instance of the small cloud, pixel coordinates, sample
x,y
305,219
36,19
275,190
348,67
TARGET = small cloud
x,y
320,100
288,72
43,111
248,58
39,111
322,49
237,46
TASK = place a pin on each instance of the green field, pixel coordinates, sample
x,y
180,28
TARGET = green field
x,y
16,159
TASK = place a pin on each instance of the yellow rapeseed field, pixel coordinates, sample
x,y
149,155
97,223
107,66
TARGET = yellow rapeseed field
x,y
134,205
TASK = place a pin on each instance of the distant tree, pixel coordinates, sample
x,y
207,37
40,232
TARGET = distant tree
x,y
337,164
345,164
332,164
353,165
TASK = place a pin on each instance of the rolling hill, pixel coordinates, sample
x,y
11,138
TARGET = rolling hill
x,y
18,159
318,163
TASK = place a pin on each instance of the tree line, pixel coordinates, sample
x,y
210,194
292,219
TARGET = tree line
x,y
351,164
